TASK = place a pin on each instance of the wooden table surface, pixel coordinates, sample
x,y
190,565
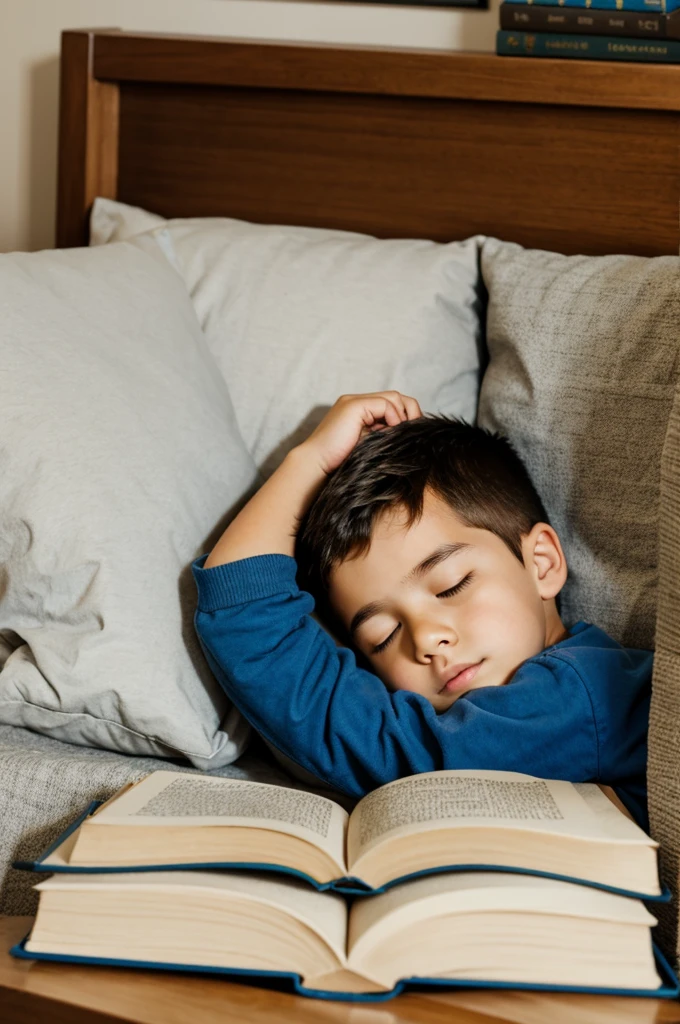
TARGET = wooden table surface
x,y
33,992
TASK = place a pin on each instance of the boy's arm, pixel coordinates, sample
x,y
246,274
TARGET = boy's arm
x,y
269,522
309,699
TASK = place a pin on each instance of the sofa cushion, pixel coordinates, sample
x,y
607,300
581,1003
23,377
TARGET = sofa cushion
x,y
297,316
120,461
583,363
663,769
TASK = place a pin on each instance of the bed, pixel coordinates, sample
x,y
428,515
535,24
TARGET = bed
x,y
572,156
577,157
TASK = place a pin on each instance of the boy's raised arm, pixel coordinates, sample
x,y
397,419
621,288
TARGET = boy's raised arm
x,y
269,522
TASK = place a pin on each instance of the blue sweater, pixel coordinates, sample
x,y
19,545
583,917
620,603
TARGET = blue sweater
x,y
576,711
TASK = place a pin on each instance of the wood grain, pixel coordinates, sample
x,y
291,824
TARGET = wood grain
x,y
571,156
50,993
383,70
401,167
88,138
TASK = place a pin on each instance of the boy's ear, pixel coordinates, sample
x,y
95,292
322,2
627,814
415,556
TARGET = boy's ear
x,y
544,557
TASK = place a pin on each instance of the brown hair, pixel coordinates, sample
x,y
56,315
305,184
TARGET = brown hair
x,y
475,471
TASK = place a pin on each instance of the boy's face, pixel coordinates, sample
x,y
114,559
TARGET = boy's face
x,y
442,608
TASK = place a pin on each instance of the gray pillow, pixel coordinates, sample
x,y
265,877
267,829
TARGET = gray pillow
x,y
583,362
119,462
297,316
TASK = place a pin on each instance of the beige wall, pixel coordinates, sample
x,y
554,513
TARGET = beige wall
x,y
29,48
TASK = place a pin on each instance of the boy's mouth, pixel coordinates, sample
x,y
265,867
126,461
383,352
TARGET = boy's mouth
x,y
460,676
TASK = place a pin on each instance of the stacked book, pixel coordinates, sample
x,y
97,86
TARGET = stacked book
x,y
630,30
444,879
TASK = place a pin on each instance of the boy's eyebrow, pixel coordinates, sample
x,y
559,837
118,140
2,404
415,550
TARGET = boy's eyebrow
x,y
440,554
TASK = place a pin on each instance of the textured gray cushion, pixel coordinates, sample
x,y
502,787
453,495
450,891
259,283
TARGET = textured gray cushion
x,y
45,784
583,362
120,460
663,770
297,316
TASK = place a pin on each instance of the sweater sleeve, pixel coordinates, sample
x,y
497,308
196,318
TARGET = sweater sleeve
x,y
310,700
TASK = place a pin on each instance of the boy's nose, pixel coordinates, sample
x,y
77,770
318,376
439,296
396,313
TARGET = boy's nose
x,y
429,640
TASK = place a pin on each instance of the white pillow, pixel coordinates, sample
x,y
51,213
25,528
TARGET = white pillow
x,y
297,316
119,459
117,222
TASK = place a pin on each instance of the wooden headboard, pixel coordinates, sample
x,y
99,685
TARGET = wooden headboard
x,y
574,156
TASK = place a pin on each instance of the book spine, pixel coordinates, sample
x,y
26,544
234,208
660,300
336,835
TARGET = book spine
x,y
535,18
658,6
545,44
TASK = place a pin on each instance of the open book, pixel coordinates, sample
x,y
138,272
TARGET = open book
x,y
469,928
437,821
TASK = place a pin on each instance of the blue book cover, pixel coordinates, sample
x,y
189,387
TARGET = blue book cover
x,y
54,860
669,989
553,44
658,6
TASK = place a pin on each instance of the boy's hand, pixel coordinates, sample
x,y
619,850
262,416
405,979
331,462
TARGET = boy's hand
x,y
350,419
268,523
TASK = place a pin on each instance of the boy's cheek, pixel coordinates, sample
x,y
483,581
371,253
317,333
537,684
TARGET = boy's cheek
x,y
395,681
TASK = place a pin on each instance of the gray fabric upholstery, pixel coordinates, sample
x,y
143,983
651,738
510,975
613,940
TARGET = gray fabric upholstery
x,y
583,364
663,772
45,784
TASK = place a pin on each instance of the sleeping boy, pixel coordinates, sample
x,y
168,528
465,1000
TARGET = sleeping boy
x,y
425,541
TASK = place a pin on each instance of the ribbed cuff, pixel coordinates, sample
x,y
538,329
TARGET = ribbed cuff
x,y
248,579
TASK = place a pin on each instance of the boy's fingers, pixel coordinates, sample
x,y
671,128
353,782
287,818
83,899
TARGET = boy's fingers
x,y
413,410
376,407
390,406
398,401
408,406
392,400
391,413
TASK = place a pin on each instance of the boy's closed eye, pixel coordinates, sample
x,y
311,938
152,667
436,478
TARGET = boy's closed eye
x,y
450,592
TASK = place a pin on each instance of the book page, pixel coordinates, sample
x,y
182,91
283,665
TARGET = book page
x,y
176,798
455,799
324,913
472,891
605,803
